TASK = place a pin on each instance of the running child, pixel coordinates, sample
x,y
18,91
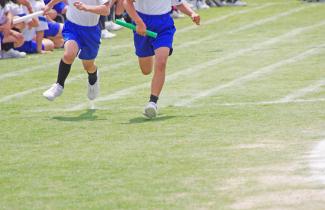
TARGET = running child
x,y
153,52
82,37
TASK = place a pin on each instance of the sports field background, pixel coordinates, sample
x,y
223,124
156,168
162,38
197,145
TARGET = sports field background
x,y
241,120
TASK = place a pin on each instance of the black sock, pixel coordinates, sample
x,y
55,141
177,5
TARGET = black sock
x,y
64,70
7,46
153,98
92,77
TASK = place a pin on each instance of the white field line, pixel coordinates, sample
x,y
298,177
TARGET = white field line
x,y
117,47
249,77
239,104
45,68
270,19
202,66
249,26
317,162
262,103
70,80
304,91
225,17
294,32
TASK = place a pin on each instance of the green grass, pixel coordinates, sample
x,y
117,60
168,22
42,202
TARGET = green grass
x,y
207,155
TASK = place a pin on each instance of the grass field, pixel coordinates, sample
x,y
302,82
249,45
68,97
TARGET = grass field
x,y
241,115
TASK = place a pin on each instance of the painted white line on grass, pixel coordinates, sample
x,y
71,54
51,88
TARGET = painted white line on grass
x,y
117,47
317,162
239,104
271,41
203,66
244,27
70,80
45,68
225,17
304,91
251,76
261,103
270,19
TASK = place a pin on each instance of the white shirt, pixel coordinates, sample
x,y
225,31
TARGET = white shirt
x,y
38,6
83,18
3,11
155,7
16,9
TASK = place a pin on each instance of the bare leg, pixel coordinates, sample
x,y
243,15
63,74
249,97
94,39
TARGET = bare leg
x,y
71,50
89,66
158,79
146,64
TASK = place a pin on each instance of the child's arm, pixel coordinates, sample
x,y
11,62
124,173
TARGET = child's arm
x,y
50,5
129,7
6,27
27,4
184,8
100,9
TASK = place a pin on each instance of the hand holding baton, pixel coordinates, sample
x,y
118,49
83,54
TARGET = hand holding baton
x,y
133,27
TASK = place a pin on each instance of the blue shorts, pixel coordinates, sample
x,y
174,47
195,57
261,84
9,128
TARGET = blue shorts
x,y
87,38
29,47
58,7
161,24
53,30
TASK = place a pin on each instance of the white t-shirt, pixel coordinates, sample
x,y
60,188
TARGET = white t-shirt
x,y
155,7
16,9
38,6
83,18
3,11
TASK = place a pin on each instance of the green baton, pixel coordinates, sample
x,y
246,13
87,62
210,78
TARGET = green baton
x,y
133,27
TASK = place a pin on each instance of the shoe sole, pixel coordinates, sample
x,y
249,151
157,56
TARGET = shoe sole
x,y
150,113
48,98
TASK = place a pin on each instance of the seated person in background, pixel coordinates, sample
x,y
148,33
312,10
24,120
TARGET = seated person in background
x,y
58,12
54,33
9,38
233,3
34,33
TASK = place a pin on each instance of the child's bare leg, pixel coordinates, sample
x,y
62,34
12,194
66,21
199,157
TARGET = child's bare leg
x,y
48,45
146,64
71,50
158,79
89,66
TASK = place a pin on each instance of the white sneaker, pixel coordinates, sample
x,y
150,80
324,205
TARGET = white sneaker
x,y
202,5
151,110
13,54
111,26
53,92
106,34
93,90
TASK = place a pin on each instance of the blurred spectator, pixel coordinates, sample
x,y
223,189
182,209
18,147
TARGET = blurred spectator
x,y
54,33
34,33
9,38
58,12
233,3
107,24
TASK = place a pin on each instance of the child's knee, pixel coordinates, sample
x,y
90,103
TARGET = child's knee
x,y
69,57
89,66
146,70
161,64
